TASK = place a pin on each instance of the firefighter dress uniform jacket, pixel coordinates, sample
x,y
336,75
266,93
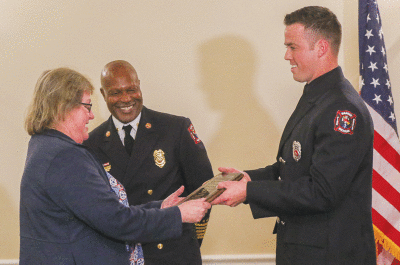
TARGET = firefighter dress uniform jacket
x,y
321,185
166,154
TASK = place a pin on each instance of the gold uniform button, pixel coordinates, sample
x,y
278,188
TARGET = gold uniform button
x,y
160,246
150,192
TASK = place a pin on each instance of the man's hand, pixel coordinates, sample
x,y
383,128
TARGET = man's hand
x,y
246,177
193,211
235,192
173,199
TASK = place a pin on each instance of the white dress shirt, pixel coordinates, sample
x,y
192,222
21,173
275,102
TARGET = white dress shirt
x,y
121,132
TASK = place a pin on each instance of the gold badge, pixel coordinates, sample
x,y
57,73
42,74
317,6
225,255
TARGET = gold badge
x,y
159,158
108,133
107,167
148,125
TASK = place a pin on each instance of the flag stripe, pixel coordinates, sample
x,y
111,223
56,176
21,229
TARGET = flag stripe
x,y
386,170
386,190
384,257
389,213
382,223
384,129
386,151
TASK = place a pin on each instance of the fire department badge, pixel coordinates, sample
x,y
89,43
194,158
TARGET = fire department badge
x,y
296,151
345,122
193,134
159,158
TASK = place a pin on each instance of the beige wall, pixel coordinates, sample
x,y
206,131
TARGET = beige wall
x,y
218,62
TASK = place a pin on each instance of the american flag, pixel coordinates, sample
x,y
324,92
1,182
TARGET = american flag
x,y
376,91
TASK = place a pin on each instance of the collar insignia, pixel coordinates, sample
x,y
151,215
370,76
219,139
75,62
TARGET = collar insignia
x,y
107,166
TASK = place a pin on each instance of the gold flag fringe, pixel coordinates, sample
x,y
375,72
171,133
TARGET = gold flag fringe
x,y
386,243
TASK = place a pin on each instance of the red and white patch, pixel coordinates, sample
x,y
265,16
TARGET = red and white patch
x,y
107,167
345,122
193,134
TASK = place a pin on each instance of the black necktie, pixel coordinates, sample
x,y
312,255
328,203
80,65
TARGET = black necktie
x,y
128,141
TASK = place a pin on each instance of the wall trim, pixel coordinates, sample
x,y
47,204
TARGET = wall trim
x,y
9,261
259,259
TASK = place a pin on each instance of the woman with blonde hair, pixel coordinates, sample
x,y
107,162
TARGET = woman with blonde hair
x,y
69,212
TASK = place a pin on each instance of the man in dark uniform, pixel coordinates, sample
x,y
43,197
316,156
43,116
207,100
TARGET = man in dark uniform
x,y
152,154
321,184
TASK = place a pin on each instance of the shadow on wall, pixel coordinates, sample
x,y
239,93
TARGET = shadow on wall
x,y
246,138
9,227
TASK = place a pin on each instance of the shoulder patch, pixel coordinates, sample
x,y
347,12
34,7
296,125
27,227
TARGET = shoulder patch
x,y
193,134
345,122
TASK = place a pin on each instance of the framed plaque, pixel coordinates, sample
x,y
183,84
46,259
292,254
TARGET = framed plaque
x,y
209,189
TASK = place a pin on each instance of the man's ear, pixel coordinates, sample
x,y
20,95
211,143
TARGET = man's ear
x,y
323,47
103,93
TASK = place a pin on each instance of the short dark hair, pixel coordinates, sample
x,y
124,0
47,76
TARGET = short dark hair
x,y
320,21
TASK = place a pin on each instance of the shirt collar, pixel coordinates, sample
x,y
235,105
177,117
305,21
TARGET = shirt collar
x,y
134,123
314,89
